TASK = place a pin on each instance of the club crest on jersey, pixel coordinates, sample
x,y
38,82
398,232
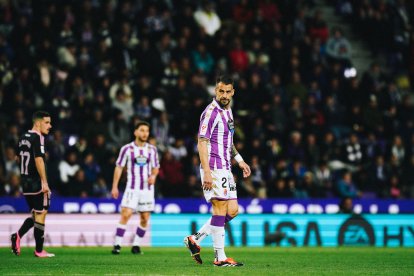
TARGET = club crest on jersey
x,y
230,125
141,160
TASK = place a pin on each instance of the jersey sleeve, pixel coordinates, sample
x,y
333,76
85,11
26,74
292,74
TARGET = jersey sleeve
x,y
207,123
154,158
38,148
122,157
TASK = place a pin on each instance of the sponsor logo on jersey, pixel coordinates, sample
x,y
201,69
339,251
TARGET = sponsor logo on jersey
x,y
230,125
203,129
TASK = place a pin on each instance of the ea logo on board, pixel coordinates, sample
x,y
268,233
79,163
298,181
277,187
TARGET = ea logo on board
x,y
356,231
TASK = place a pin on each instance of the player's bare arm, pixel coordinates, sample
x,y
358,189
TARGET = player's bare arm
x,y
243,165
117,176
41,169
202,146
234,151
153,176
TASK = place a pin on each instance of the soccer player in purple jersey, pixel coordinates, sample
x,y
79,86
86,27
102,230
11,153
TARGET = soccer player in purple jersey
x,y
216,148
31,149
141,160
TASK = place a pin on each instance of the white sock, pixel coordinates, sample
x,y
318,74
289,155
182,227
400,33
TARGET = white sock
x,y
119,236
204,231
139,235
217,233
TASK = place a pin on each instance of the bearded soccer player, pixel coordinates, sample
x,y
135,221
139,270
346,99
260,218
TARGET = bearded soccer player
x,y
141,160
216,148
31,155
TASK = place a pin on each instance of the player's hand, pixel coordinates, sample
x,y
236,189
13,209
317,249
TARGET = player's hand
x,y
207,181
115,193
151,179
45,188
246,169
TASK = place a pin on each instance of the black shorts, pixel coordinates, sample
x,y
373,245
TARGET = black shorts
x,y
38,202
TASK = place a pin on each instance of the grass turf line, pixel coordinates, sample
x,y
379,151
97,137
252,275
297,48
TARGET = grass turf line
x,y
177,261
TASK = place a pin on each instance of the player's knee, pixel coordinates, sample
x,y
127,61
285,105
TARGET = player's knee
x,y
125,215
144,223
40,217
233,213
144,219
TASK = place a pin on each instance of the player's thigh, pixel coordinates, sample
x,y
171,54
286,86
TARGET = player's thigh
x,y
219,207
232,207
220,189
38,203
146,201
130,199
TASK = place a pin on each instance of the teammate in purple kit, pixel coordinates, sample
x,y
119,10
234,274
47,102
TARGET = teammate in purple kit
x,y
216,148
141,160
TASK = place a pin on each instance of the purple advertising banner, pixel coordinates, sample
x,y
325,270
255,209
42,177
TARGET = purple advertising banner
x,y
248,206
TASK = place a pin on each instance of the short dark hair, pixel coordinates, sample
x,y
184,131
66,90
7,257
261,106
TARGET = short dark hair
x,y
226,79
142,123
38,115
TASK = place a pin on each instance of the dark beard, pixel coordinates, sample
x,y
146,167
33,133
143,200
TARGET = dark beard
x,y
141,140
223,105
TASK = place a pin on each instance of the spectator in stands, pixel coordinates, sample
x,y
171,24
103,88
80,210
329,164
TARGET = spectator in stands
x,y
279,189
178,149
73,58
207,18
160,130
338,48
79,186
346,187
91,168
171,175
378,177
394,189
346,205
118,129
67,170
10,164
12,185
317,27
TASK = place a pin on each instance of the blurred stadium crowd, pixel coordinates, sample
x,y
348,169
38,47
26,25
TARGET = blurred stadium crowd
x,y
308,126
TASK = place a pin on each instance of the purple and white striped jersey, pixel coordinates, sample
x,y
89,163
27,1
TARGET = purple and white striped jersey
x,y
217,125
139,161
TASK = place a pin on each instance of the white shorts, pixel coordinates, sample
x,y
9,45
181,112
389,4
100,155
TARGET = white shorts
x,y
138,200
224,187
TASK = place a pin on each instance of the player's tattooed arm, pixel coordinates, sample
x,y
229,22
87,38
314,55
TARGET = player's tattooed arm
x,y
202,139
234,151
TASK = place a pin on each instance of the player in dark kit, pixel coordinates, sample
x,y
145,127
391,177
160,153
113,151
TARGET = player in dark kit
x,y
31,155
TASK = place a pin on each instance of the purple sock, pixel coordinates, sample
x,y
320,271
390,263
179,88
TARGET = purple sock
x,y
217,220
228,218
140,232
120,232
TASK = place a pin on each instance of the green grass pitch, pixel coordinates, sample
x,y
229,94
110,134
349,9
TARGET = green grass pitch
x,y
177,261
